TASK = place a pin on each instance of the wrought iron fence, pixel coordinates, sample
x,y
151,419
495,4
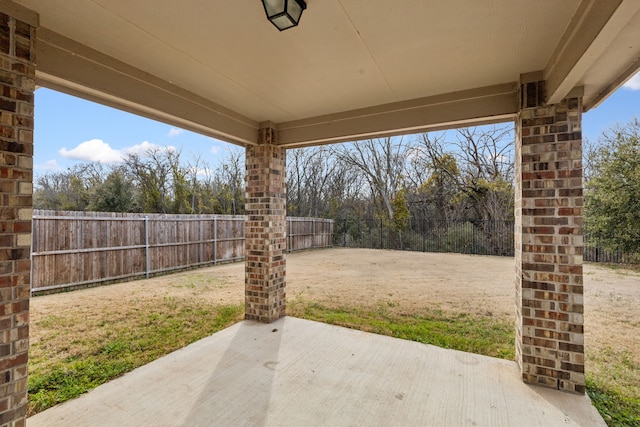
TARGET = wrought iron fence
x,y
466,237
594,253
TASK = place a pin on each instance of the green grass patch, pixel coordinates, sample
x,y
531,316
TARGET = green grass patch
x,y
613,377
460,331
115,343
612,385
616,409
76,352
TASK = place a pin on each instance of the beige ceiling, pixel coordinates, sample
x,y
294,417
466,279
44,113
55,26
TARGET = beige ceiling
x,y
351,69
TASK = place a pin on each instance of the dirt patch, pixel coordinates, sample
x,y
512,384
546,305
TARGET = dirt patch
x,y
406,281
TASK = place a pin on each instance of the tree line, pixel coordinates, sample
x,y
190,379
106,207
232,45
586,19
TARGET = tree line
x,y
466,174
160,181
462,175
612,189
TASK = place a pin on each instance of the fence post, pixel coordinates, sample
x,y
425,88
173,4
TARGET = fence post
x,y
33,232
344,233
146,245
215,240
331,231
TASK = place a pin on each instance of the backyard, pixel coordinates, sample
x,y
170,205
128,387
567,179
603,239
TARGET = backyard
x,y
86,337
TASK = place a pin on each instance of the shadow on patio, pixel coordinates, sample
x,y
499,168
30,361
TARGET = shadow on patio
x,y
299,372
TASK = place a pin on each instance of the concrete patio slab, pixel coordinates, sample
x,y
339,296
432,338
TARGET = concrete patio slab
x,y
296,372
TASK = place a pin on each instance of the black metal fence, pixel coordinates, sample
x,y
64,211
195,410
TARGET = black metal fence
x,y
465,237
594,253
480,237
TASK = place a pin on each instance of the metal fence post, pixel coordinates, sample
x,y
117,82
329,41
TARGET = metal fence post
x,y
344,233
331,232
215,240
146,245
33,238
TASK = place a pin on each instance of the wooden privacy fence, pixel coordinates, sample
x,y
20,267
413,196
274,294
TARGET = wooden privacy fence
x,y
308,233
81,248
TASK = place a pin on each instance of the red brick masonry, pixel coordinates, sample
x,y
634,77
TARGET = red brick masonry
x,y
265,229
17,84
549,295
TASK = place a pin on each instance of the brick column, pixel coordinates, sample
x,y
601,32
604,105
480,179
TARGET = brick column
x,y
549,297
265,229
16,176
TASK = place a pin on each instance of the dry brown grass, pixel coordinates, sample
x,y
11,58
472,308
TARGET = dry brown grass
x,y
71,324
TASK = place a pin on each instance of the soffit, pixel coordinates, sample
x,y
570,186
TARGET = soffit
x,y
346,59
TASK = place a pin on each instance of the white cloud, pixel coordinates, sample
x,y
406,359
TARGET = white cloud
x,y
203,172
633,83
206,172
49,165
94,150
144,148
174,132
214,150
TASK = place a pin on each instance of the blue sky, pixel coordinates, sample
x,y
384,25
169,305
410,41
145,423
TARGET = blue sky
x,y
69,130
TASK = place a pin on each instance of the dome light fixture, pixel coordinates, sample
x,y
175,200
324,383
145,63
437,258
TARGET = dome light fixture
x,y
284,13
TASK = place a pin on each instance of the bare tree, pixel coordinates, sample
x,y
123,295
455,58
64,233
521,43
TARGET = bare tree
x,y
310,186
152,175
229,183
479,162
68,190
382,165
195,167
433,180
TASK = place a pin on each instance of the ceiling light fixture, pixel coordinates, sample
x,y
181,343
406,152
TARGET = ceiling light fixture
x,y
284,13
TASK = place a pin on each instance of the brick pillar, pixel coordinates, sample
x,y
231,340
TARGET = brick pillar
x,y
16,176
265,229
549,297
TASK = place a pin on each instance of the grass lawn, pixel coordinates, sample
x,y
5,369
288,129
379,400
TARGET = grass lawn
x,y
80,347
68,362
67,365
612,386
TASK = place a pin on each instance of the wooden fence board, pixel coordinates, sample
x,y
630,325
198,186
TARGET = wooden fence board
x,y
81,248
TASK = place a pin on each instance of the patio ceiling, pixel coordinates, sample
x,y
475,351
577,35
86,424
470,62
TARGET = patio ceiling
x,y
352,69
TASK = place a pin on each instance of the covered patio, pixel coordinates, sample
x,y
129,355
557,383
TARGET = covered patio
x,y
295,372
351,69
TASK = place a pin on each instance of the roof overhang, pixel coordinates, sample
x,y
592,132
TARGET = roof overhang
x,y
351,70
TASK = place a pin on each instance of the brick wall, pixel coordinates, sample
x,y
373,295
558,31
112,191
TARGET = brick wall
x,y
549,295
16,174
265,229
